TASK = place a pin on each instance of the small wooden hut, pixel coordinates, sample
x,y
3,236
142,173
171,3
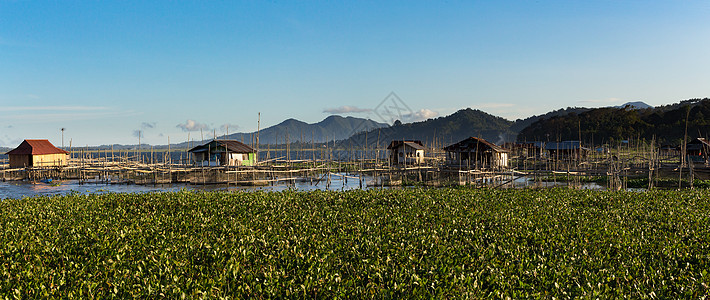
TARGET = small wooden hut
x,y
406,152
698,150
476,153
37,153
223,153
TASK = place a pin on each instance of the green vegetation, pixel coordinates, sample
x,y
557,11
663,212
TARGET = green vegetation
x,y
433,243
609,125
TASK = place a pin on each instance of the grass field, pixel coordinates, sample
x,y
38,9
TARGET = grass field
x,y
442,243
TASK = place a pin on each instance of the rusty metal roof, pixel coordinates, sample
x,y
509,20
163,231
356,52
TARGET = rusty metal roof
x,y
36,147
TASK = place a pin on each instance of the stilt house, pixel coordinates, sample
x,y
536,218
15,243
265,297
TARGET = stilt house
x,y
37,153
698,149
406,152
223,153
476,153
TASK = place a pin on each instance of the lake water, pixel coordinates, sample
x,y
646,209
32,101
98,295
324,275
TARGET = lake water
x,y
21,189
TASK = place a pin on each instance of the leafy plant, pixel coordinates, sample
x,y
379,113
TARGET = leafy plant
x,y
432,243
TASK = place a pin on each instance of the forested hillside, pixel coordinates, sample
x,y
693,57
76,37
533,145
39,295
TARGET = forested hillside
x,y
449,129
606,125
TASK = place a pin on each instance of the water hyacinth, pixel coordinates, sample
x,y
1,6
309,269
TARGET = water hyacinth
x,y
438,243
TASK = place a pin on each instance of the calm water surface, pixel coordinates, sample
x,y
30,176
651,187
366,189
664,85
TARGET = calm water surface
x,y
21,189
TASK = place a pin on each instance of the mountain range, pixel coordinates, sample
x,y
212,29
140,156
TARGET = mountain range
x,y
471,122
292,130
443,130
633,120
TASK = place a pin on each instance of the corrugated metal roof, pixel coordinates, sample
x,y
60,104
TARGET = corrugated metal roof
x,y
471,144
236,146
414,144
36,147
221,145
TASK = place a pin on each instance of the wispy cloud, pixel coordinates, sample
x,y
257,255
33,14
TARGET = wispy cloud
x,y
192,125
230,127
7,141
52,108
137,133
420,115
346,109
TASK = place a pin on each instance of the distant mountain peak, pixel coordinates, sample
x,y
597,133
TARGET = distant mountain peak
x,y
333,127
634,105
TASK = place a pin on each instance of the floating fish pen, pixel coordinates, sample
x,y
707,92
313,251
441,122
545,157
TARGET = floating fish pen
x,y
370,168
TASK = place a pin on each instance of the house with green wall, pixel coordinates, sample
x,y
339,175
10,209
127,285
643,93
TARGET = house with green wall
x,y
223,153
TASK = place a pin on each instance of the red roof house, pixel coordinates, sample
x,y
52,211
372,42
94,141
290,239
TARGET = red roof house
x,y
37,153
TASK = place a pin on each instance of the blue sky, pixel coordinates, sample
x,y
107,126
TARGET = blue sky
x,y
106,69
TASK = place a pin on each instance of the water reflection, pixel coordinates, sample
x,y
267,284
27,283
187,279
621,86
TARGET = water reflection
x,y
20,189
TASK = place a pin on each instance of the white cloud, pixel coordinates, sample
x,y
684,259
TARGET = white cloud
x,y
55,108
191,125
421,115
7,141
346,109
231,127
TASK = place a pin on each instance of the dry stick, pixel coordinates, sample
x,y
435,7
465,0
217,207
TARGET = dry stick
x,y
685,148
258,131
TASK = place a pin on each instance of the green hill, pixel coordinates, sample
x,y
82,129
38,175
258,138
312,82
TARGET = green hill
x,y
443,130
607,125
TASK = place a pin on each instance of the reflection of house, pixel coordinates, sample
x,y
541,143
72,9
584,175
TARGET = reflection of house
x,y
698,149
406,152
223,153
566,150
37,153
668,148
476,153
